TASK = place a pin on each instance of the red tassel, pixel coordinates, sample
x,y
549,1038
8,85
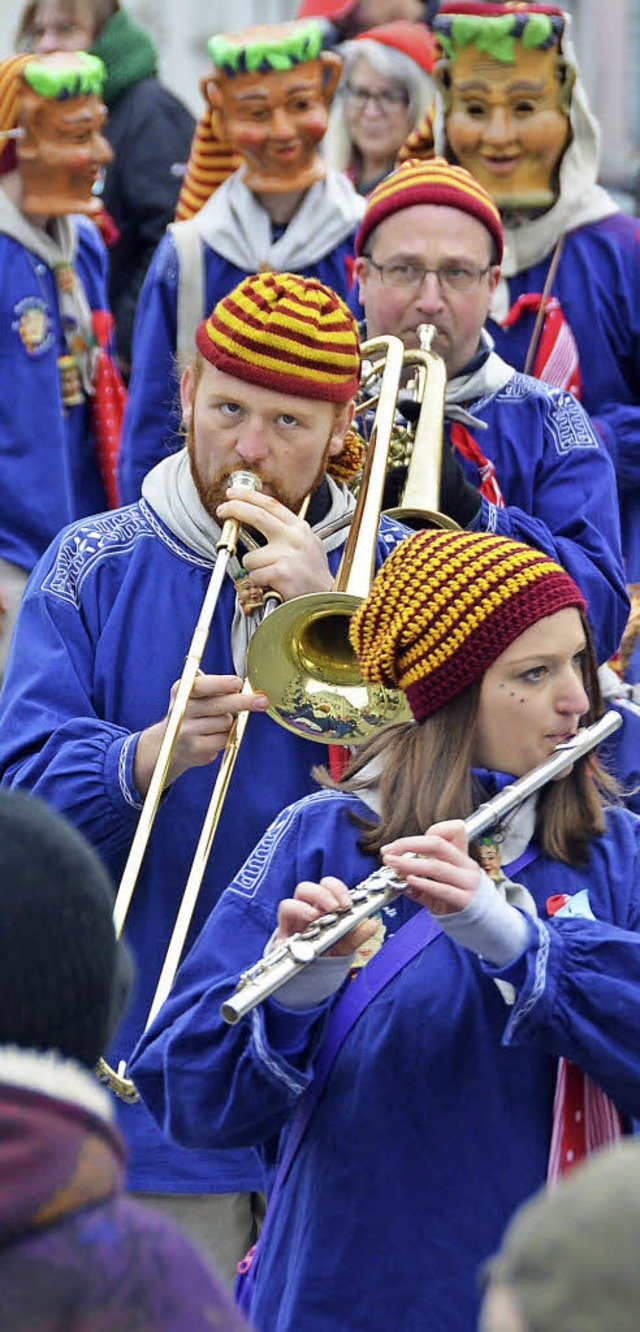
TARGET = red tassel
x,y
108,404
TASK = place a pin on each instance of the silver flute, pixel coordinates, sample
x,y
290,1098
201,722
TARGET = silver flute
x,y
300,950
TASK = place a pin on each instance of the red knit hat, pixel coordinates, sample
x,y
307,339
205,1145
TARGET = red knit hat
x,y
286,333
430,182
445,605
329,9
413,39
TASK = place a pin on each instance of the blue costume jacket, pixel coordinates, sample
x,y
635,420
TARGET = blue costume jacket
x,y
598,285
435,1121
102,633
48,471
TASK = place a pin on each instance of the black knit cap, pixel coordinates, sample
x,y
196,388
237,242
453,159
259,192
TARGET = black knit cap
x,y
64,980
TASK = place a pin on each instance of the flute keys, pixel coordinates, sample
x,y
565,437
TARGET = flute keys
x,y
301,951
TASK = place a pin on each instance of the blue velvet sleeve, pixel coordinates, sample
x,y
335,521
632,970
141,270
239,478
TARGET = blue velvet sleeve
x,y
579,981
152,416
210,1084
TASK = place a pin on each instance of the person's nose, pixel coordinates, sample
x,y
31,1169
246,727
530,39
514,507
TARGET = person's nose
x,y
499,128
429,296
252,444
101,150
281,123
47,42
572,696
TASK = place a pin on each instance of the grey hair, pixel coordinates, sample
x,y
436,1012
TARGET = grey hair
x,y
389,63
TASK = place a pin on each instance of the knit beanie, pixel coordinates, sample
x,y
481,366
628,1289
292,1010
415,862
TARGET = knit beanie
x,y
570,1256
64,979
286,333
430,182
411,39
445,605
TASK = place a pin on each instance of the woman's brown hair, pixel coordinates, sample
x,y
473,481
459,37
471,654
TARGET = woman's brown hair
x,y
98,11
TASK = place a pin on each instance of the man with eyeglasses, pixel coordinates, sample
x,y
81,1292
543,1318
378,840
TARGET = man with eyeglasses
x,y
520,458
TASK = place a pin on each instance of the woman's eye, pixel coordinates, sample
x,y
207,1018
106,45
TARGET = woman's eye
x,y
229,408
533,674
286,419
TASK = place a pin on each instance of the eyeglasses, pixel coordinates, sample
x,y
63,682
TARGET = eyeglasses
x,y
388,101
451,277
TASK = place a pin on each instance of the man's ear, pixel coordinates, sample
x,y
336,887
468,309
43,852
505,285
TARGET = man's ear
x,y
494,278
341,423
331,71
187,395
211,92
360,271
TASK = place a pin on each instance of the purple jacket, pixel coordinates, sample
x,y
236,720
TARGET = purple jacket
x,y
76,1255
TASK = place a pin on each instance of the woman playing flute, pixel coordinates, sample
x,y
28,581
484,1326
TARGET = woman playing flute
x,y
480,1035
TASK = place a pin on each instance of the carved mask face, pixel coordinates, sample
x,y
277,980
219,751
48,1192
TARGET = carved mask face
x,y
505,123
61,152
276,121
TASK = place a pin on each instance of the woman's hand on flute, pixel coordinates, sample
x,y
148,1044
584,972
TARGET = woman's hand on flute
x,y
436,866
312,900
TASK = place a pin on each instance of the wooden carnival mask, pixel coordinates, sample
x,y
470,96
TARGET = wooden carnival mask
x,y
271,90
506,91
61,150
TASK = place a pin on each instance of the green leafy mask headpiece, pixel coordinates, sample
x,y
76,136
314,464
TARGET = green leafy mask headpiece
x,y
497,36
83,74
280,49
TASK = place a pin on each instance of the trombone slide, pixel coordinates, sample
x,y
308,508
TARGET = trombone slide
x,y
376,891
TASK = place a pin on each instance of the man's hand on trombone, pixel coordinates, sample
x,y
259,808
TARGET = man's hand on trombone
x,y
293,561
209,714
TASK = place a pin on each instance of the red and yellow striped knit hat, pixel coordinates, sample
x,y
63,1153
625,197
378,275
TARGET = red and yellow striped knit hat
x,y
445,605
286,333
430,182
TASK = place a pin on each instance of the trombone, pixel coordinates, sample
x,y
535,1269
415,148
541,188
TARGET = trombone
x,y
117,1079
332,658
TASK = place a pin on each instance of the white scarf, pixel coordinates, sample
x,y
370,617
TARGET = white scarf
x,y
170,490
237,226
58,250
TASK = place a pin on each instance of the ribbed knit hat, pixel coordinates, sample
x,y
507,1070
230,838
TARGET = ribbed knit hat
x,y
412,39
286,333
445,605
570,1256
64,980
430,182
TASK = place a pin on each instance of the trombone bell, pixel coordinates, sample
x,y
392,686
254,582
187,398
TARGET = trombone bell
x,y
309,671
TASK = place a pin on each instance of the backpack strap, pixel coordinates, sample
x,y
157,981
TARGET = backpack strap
x,y
191,283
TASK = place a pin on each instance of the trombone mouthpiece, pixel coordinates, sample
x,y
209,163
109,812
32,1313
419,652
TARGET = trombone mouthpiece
x,y
245,478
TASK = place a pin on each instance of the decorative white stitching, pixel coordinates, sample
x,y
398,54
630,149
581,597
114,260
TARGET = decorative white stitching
x,y
522,1012
128,794
273,1065
88,543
